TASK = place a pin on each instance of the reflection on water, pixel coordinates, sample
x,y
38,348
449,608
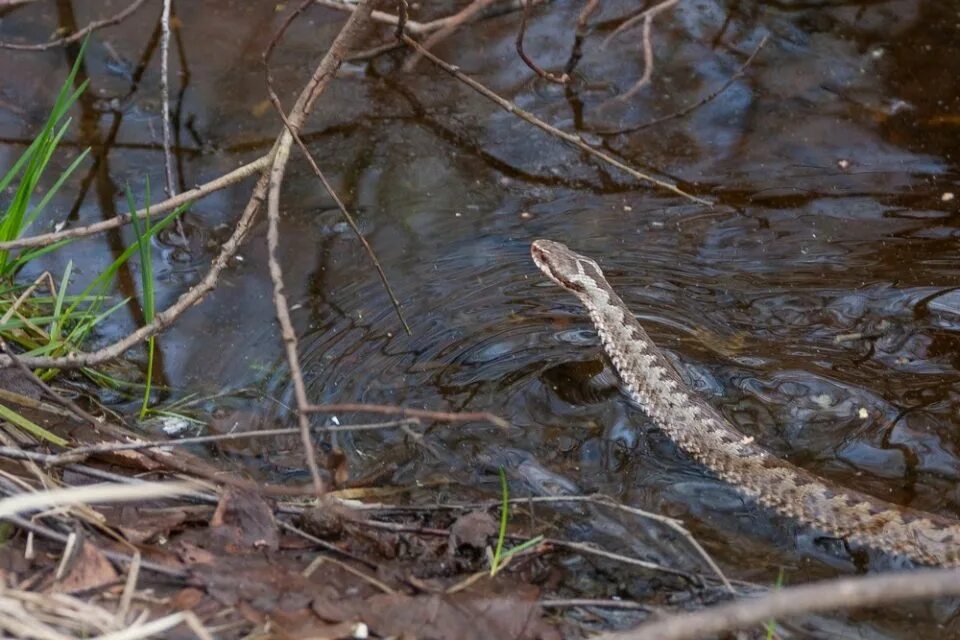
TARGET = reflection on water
x,y
811,304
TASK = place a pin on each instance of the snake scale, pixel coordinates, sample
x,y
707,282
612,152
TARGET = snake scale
x,y
702,432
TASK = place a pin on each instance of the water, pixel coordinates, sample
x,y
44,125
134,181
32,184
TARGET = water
x,y
811,303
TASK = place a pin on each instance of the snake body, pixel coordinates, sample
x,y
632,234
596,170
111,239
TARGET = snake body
x,y
702,432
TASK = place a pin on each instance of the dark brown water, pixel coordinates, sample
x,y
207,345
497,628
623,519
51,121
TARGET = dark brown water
x,y
813,303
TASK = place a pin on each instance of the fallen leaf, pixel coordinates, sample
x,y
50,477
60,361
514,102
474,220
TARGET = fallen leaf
x,y
473,529
243,522
88,569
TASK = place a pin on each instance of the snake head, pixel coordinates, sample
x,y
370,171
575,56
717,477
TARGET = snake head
x,y
572,271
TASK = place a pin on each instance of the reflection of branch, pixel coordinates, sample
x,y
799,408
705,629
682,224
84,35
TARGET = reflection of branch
x,y
828,595
576,52
696,105
569,138
79,35
546,75
647,17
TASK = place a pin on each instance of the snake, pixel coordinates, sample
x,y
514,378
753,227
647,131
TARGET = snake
x,y
650,380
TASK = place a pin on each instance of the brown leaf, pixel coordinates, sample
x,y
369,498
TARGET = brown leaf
x,y
89,569
473,529
244,521
142,525
266,586
186,599
510,614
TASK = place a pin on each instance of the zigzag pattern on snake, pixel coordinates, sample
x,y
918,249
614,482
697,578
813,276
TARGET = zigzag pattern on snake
x,y
702,432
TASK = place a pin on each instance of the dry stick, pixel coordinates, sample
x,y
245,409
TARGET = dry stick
x,y
80,453
72,406
828,595
169,204
424,28
79,35
9,4
165,99
647,37
696,105
116,556
275,100
546,75
453,23
569,138
319,81
563,603
406,412
165,95
589,549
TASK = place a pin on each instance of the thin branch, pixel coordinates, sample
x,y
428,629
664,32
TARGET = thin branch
x,y
546,75
452,23
696,105
26,525
320,79
165,318
275,100
78,453
200,191
423,28
79,35
828,595
569,138
407,412
647,41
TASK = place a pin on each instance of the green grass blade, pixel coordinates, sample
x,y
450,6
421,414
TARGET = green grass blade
x,y
29,426
57,323
504,515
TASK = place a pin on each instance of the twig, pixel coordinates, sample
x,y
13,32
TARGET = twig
x,y
589,549
79,35
108,492
275,100
696,105
423,28
79,453
165,99
116,556
386,409
576,52
320,79
323,544
828,595
647,40
569,138
169,204
452,23
166,317
565,603
546,75
72,406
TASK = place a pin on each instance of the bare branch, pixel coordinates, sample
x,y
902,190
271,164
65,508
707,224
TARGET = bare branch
x,y
569,138
79,35
828,595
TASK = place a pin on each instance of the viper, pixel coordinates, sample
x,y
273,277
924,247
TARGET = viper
x,y
651,381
